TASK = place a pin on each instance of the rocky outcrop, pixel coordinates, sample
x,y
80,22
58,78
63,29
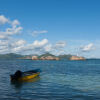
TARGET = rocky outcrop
x,y
46,56
49,58
77,58
35,58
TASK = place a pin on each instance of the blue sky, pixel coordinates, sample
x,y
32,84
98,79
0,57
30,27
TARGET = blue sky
x,y
64,26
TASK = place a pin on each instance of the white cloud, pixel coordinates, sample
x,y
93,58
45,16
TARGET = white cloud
x,y
4,46
88,47
15,23
60,44
36,33
21,46
3,43
10,32
14,29
4,37
4,51
48,48
57,48
37,47
3,19
18,43
40,43
9,44
17,49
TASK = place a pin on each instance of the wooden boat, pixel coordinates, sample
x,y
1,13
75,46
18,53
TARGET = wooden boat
x,y
24,76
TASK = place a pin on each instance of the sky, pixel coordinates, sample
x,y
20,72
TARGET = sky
x,y
55,26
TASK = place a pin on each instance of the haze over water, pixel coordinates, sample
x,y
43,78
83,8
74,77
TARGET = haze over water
x,y
59,80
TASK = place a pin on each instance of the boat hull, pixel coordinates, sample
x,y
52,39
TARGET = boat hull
x,y
25,78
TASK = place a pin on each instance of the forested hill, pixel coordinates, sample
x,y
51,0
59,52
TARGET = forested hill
x,y
10,56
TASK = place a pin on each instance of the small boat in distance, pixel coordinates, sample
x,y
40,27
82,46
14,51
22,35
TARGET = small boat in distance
x,y
24,76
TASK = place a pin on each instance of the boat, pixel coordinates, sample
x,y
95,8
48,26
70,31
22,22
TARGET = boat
x,y
20,84
24,76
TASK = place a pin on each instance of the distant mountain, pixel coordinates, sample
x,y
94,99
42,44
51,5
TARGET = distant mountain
x,y
39,57
62,57
46,54
10,56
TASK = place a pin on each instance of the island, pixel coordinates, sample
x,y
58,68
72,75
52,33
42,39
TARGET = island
x,y
45,56
77,58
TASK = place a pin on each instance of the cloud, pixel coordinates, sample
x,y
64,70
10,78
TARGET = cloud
x,y
40,43
21,46
4,37
13,30
3,19
60,44
15,23
18,43
48,48
4,46
36,33
10,44
88,47
9,31
57,48
36,45
3,43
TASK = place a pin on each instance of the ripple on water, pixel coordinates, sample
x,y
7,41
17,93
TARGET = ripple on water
x,y
59,80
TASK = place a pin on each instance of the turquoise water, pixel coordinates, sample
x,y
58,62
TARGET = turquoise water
x,y
59,80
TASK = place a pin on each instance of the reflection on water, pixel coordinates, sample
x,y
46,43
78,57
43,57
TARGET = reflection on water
x,y
59,80
19,84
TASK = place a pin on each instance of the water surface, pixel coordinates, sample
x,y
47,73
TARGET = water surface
x,y
59,80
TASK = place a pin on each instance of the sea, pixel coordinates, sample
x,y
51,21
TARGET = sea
x,y
58,80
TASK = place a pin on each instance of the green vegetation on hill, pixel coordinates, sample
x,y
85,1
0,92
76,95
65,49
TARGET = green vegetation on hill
x,y
18,56
46,54
62,57
10,56
65,56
